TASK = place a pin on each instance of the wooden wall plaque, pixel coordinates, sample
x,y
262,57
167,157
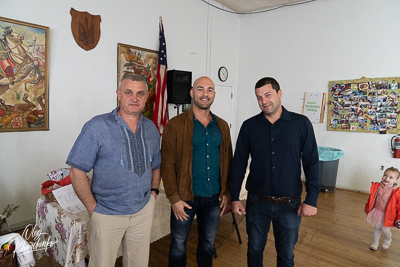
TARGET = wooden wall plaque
x,y
85,29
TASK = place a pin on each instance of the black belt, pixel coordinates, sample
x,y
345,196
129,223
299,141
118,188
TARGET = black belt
x,y
276,200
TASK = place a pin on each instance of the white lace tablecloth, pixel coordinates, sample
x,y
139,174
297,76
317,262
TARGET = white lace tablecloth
x,y
243,191
161,219
72,230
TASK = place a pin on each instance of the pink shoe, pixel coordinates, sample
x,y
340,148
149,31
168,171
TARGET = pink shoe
x,y
386,244
374,246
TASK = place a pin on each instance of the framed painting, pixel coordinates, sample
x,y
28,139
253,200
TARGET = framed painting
x,y
24,76
133,59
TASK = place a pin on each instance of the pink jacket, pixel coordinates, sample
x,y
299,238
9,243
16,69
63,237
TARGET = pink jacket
x,y
393,209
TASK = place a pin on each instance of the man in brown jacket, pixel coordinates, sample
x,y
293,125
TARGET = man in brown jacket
x,y
196,167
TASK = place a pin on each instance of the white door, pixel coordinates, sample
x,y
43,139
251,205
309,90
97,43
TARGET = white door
x,y
223,103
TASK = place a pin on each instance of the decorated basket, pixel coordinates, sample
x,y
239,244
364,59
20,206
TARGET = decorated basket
x,y
50,197
9,260
47,192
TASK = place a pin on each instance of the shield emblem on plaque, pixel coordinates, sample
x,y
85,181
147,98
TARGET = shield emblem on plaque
x,y
85,29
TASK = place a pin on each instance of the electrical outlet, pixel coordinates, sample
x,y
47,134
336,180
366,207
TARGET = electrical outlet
x,y
382,167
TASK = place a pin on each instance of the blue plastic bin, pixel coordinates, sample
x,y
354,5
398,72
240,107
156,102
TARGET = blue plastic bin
x,y
328,167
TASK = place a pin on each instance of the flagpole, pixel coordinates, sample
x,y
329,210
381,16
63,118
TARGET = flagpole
x,y
160,109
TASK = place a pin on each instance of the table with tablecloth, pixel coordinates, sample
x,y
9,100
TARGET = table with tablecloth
x,y
70,232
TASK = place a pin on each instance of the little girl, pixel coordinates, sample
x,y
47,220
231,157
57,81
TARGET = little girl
x,y
381,207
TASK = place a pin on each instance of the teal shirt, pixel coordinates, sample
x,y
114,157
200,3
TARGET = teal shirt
x,y
205,167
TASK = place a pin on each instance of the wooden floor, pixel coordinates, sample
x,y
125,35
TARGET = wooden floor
x,y
337,236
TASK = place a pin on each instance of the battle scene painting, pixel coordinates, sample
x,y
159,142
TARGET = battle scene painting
x,y
132,59
24,88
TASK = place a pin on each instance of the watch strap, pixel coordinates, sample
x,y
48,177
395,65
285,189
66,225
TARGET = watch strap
x,y
155,190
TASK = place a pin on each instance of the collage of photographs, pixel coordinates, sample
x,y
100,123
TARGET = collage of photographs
x,y
364,105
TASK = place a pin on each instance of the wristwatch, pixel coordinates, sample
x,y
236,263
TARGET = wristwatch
x,y
155,190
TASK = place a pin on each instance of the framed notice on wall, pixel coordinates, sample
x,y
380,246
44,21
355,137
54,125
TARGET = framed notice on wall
x,y
367,105
314,106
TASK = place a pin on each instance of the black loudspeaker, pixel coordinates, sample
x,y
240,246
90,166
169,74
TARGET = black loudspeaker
x,y
179,83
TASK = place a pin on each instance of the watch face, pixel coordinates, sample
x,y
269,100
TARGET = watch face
x,y
223,74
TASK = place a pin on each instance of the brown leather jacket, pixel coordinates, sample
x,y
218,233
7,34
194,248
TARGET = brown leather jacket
x,y
177,156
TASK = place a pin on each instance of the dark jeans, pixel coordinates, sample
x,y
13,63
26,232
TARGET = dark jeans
x,y
286,223
207,211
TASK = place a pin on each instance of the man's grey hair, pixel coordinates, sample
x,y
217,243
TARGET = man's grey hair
x,y
134,78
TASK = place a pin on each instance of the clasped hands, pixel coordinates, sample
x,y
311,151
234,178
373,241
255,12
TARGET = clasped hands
x,y
179,208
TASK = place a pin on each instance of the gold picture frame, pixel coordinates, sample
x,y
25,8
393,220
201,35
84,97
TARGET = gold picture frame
x,y
133,59
24,76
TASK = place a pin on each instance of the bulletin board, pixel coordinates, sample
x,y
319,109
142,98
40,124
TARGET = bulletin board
x,y
366,105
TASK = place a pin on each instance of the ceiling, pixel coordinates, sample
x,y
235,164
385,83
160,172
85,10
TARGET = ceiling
x,y
243,6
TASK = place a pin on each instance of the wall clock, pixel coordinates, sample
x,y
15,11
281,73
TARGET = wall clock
x,y
223,74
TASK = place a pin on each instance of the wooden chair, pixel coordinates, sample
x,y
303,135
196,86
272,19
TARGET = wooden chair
x,y
228,209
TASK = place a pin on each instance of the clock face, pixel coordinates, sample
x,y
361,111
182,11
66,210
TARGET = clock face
x,y
223,74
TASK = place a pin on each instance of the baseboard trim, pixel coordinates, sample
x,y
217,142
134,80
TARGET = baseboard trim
x,y
16,227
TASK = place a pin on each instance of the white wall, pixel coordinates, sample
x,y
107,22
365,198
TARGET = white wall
x,y
303,47
83,83
306,46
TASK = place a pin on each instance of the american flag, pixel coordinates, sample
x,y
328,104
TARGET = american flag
x,y
160,103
